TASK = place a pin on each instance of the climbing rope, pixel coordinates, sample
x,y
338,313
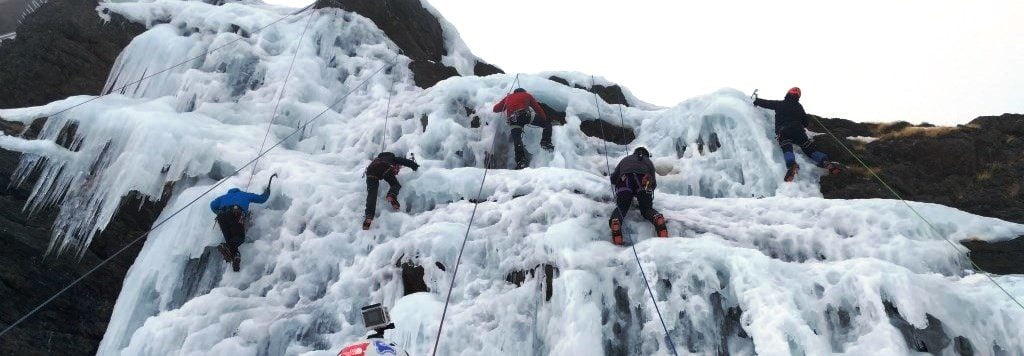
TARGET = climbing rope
x,y
387,111
176,212
201,55
476,203
277,104
629,237
917,213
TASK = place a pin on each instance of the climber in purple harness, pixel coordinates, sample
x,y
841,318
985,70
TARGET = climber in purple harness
x,y
634,177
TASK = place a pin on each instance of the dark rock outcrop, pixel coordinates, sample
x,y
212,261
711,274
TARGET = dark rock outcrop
x,y
976,167
10,13
608,132
416,31
546,271
610,94
74,322
63,49
1003,257
932,339
412,278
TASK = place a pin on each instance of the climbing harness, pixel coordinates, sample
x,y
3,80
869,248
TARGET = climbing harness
x,y
190,203
629,238
476,202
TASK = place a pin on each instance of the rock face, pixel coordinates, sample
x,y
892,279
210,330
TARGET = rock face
x,y
610,94
976,167
416,31
10,13
66,49
73,323
63,49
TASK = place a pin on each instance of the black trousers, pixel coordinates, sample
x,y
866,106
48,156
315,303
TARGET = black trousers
x,y
232,225
517,134
624,199
795,135
372,185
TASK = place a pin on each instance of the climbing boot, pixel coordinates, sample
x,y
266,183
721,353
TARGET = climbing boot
x,y
524,161
547,145
791,172
366,223
834,168
659,225
225,252
393,200
616,226
236,262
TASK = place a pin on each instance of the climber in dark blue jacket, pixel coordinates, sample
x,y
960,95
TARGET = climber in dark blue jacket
x,y
232,209
790,122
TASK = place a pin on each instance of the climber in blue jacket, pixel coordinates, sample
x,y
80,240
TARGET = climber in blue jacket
x,y
232,209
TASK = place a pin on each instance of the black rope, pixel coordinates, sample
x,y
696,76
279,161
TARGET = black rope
x,y
622,223
487,166
175,213
387,111
203,55
277,104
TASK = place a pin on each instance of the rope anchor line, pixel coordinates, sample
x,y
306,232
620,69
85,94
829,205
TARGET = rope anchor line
x,y
918,214
488,158
629,237
189,204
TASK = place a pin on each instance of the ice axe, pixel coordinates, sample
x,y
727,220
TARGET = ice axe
x,y
754,95
270,181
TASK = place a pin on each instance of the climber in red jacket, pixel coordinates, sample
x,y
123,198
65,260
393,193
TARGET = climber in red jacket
x,y
522,109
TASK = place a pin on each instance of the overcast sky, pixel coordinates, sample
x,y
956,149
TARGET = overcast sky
x,y
940,61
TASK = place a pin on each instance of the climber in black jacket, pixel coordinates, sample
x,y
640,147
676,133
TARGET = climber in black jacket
x,y
634,177
790,122
384,167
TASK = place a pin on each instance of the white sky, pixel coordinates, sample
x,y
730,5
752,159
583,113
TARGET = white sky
x,y
941,61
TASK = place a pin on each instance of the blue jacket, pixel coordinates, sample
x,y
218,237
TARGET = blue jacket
x,y
237,197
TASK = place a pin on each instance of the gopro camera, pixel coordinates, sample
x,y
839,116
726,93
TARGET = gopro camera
x,y
375,317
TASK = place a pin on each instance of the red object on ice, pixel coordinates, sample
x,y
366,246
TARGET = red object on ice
x,y
354,349
518,101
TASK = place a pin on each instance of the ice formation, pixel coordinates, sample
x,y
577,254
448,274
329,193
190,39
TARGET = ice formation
x,y
757,265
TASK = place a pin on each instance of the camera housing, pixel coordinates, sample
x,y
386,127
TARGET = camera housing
x,y
376,317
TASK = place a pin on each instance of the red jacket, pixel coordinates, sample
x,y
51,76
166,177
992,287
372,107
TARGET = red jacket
x,y
518,101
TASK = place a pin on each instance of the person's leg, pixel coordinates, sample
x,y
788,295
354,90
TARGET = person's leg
x,y
225,223
623,199
799,138
517,143
393,185
372,185
786,143
811,150
545,136
393,188
646,201
237,227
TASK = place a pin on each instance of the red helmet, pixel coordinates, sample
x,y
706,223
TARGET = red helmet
x,y
794,91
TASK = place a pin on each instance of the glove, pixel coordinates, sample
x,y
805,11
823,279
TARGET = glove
x,y
415,166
